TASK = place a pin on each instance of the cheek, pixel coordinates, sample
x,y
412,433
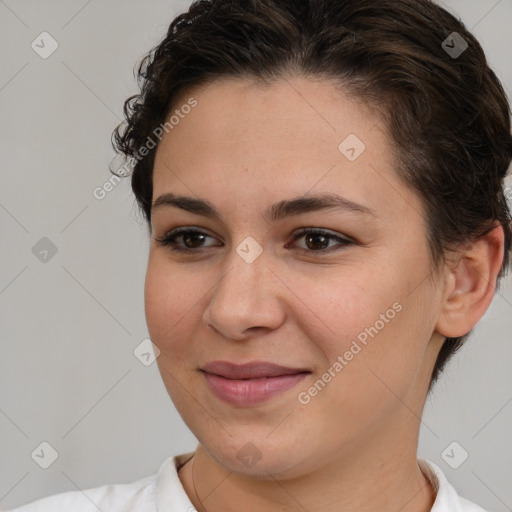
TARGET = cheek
x,y
370,321
168,310
346,307
382,353
169,298
158,298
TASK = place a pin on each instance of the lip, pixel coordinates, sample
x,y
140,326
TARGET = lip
x,y
252,370
251,383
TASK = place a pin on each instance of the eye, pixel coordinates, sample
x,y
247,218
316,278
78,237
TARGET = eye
x,y
315,238
190,237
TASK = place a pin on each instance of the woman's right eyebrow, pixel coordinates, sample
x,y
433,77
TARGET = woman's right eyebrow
x,y
277,211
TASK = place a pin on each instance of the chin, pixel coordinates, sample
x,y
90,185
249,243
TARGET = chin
x,y
259,458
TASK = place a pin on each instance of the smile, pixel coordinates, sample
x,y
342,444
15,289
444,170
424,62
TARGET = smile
x,y
247,392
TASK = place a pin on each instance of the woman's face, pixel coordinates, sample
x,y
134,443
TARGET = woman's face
x,y
353,308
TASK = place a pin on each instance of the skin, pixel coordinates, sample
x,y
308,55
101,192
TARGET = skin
x,y
353,446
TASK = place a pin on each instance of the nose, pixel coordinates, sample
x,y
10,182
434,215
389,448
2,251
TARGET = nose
x,y
246,299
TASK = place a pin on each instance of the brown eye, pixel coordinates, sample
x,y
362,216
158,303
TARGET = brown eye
x,y
317,240
192,240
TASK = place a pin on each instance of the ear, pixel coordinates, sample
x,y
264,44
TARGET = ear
x,y
471,283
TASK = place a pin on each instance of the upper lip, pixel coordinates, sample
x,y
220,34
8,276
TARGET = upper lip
x,y
252,370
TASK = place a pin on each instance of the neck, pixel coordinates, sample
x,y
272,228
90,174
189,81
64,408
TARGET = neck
x,y
374,480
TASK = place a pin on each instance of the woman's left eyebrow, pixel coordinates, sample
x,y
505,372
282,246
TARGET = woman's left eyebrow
x,y
277,211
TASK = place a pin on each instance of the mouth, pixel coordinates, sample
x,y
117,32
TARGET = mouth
x,y
251,383
252,370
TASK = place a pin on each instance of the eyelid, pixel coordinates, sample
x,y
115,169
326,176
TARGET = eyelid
x,y
305,230
343,241
165,240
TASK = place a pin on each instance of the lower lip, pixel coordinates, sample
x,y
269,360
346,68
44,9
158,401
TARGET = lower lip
x,y
250,391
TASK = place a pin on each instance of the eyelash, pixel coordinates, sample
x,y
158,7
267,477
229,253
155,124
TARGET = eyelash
x,y
169,239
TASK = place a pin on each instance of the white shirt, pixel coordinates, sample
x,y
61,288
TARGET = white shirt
x,y
164,492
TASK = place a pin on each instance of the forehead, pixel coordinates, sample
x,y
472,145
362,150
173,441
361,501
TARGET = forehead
x,y
295,109
280,139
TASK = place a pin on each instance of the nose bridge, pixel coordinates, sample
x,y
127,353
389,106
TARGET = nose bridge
x,y
242,281
242,298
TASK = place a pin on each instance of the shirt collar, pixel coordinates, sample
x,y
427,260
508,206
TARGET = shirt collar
x,y
169,491
447,498
170,494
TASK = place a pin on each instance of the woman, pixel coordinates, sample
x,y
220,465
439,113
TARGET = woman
x,y
323,185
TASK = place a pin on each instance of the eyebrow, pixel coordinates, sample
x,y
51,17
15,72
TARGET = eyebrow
x,y
277,211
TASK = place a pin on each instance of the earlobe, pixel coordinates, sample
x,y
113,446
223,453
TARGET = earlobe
x,y
471,283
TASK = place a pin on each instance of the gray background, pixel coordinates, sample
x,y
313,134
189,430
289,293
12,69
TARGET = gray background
x,y
70,325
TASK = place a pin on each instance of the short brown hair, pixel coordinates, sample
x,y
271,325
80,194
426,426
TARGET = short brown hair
x,y
447,114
